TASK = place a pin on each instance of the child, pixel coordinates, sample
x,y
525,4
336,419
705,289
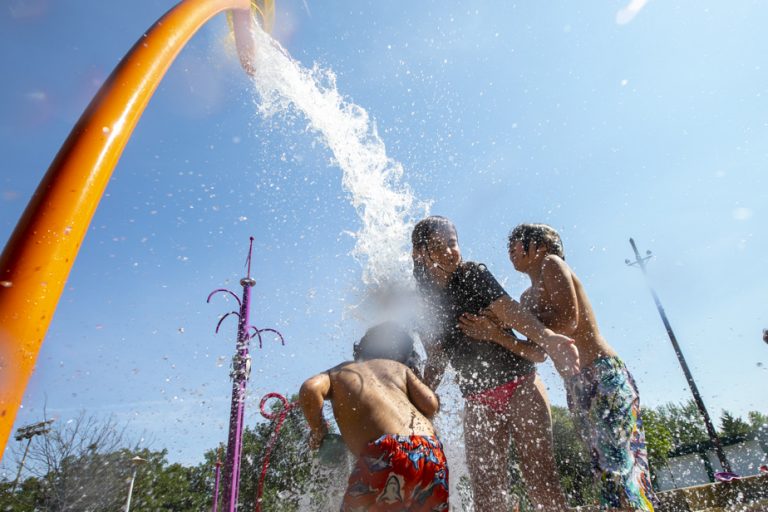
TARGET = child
x,y
603,397
383,411
505,398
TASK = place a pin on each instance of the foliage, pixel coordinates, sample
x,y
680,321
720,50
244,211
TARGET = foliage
x,y
733,428
573,464
684,422
84,464
659,440
573,461
757,421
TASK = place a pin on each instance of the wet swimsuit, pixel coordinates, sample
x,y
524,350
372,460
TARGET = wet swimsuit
x,y
480,365
399,473
497,399
605,405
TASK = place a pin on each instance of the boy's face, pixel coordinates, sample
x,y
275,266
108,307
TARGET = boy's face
x,y
440,258
518,255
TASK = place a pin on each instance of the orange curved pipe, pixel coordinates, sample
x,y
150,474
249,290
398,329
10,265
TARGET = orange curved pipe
x,y
37,260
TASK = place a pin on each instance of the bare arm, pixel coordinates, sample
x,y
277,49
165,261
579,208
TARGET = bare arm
x,y
312,394
423,398
511,313
562,312
485,327
560,348
434,367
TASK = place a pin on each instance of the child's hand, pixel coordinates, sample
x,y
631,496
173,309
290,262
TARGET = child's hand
x,y
316,436
479,327
563,352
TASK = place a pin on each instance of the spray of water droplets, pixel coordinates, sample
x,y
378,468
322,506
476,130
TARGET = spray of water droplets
x,y
386,206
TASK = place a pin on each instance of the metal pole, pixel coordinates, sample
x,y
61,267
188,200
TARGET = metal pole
x,y
714,439
21,465
216,487
241,369
241,364
130,489
28,432
135,461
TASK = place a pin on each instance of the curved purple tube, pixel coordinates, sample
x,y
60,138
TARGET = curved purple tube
x,y
214,292
225,316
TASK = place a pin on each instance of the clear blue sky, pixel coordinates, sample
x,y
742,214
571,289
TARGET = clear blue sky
x,y
500,112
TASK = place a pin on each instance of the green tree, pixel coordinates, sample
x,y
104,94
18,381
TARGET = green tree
x,y
84,464
659,440
573,464
757,421
573,461
684,422
732,428
293,478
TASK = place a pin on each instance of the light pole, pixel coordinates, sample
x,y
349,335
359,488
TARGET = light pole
x,y
28,432
135,462
714,439
216,483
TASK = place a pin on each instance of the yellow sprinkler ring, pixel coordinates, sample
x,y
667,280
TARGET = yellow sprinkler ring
x,y
263,11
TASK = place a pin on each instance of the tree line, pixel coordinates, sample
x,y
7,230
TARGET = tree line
x,y
84,464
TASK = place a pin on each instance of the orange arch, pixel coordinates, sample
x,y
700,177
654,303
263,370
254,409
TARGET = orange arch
x,y
36,262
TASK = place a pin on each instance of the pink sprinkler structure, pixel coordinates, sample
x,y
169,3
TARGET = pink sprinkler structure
x,y
241,369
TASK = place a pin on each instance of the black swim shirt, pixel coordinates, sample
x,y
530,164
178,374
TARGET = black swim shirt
x,y
480,365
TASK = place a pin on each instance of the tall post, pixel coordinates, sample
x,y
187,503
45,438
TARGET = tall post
x,y
135,461
28,432
241,367
215,507
713,437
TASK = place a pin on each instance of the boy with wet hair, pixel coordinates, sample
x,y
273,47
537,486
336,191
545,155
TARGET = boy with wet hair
x,y
383,411
504,397
603,397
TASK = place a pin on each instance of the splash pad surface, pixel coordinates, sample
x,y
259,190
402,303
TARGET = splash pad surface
x,y
482,107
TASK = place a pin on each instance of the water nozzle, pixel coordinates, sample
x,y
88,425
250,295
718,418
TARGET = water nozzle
x,y
241,21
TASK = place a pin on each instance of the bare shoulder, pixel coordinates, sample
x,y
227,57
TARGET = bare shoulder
x,y
553,264
526,295
388,370
340,367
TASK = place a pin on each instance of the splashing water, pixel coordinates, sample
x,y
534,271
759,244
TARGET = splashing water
x,y
385,205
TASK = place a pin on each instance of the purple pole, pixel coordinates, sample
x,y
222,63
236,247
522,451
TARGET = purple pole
x,y
240,368
216,487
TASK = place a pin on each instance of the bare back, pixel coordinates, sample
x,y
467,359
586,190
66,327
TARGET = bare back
x,y
558,300
378,397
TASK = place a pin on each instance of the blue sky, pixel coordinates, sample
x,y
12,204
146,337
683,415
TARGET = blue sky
x,y
499,112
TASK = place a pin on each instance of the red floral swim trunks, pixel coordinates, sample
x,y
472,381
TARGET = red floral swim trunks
x,y
399,473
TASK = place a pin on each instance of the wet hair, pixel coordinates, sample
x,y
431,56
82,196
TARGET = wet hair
x,y
387,341
540,234
428,227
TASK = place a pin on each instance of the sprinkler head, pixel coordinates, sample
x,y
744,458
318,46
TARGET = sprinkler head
x,y
247,281
765,335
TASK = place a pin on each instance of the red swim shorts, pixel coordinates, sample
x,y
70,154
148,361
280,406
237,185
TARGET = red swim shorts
x,y
399,473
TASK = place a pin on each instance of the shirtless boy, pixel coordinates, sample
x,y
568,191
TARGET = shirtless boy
x,y
603,398
383,411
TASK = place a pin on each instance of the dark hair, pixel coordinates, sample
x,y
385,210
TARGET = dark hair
x,y
428,227
540,234
387,341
